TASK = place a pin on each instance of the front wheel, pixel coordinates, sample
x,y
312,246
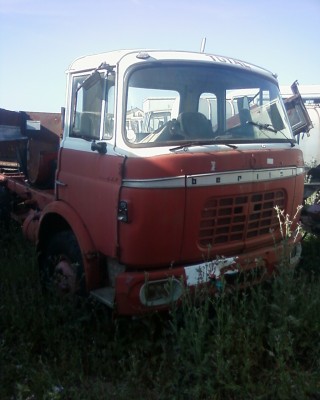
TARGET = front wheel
x,y
61,265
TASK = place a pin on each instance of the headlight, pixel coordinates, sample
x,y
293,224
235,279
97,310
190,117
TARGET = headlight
x,y
161,292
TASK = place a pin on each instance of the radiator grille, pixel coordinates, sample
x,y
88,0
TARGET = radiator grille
x,y
231,219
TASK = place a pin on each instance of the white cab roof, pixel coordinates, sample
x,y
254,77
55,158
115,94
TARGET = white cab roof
x,y
114,57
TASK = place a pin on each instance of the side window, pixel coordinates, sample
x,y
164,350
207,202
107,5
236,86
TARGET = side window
x,y
208,107
87,105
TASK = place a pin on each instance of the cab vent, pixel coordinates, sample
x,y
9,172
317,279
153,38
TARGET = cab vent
x,y
231,219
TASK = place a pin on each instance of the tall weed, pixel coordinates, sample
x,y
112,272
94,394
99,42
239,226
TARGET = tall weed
x,y
262,343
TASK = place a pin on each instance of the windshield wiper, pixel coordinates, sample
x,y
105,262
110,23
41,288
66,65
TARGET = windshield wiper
x,y
201,143
269,127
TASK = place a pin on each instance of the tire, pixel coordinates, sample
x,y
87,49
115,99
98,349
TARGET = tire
x,y
61,265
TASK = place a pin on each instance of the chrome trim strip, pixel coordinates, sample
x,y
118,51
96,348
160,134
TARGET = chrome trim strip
x,y
245,176
175,182
215,179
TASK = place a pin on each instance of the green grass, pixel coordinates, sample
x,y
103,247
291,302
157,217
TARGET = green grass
x,y
261,344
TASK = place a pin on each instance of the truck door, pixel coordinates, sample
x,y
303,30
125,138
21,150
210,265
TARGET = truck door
x,y
89,171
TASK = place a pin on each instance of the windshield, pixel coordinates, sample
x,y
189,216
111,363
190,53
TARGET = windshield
x,y
172,104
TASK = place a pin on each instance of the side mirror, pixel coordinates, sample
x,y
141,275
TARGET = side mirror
x,y
100,147
91,80
275,117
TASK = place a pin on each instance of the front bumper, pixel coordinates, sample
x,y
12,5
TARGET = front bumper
x,y
142,292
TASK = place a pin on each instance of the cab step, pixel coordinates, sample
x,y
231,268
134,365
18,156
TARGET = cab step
x,y
105,295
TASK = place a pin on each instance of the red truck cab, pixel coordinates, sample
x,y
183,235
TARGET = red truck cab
x,y
136,215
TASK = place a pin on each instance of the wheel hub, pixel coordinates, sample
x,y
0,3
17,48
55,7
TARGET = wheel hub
x,y
65,277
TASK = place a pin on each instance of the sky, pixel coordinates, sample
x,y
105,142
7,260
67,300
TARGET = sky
x,y
39,39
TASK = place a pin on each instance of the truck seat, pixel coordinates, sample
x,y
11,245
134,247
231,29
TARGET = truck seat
x,y
195,125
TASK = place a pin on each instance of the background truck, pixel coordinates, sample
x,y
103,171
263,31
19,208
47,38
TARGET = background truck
x,y
310,145
133,217
309,142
